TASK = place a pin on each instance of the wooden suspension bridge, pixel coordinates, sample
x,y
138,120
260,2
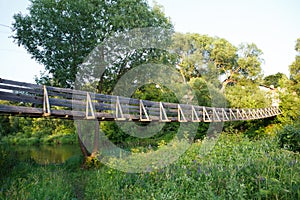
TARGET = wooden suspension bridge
x,y
32,100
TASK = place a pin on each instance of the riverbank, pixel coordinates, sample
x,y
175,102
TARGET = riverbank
x,y
45,139
236,168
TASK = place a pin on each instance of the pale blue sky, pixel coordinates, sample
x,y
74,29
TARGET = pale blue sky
x,y
273,25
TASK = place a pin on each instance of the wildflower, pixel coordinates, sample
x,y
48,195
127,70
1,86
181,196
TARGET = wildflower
x,y
199,170
188,172
261,178
292,163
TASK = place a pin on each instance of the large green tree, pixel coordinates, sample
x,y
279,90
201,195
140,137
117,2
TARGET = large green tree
x,y
295,67
210,56
59,34
194,51
290,93
274,79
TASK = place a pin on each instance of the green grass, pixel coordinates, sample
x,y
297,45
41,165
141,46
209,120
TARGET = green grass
x,y
236,168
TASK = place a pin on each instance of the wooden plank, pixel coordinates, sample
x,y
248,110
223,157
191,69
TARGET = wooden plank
x,y
30,85
34,91
20,110
21,98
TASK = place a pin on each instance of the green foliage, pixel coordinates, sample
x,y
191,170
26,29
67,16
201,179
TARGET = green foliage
x,y
274,79
27,131
202,55
289,101
289,137
201,91
247,95
125,136
289,92
74,162
295,66
61,34
236,168
192,49
206,95
155,92
7,162
4,126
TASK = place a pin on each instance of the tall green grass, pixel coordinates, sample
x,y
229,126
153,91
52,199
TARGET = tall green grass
x,y
236,168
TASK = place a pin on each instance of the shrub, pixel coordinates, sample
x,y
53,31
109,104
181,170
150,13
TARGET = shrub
x,y
289,137
33,141
68,139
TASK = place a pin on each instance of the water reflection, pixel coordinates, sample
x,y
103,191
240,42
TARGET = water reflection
x,y
46,154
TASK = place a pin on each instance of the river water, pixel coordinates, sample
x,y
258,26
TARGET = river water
x,y
45,154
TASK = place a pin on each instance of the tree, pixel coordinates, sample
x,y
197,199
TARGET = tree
x,y
274,79
289,95
60,33
289,102
193,50
205,56
245,65
247,94
295,66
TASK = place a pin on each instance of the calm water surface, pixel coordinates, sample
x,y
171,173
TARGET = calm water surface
x,y
46,154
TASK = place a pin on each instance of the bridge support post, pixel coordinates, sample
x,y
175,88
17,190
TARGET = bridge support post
x,y
216,117
46,104
180,114
89,107
205,114
195,117
239,115
119,111
162,113
143,112
232,115
224,115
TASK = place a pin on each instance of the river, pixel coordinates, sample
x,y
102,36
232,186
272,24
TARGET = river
x,y
45,154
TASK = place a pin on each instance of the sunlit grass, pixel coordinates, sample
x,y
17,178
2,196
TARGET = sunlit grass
x,y
236,168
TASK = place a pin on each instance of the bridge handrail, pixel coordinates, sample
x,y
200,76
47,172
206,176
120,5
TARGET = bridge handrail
x,y
101,106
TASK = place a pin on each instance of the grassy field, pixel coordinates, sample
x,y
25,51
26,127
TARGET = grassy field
x,y
236,168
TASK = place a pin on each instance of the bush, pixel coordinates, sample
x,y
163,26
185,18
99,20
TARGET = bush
x,y
289,137
33,141
68,139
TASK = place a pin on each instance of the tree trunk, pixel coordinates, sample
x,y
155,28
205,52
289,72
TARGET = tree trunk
x,y
224,84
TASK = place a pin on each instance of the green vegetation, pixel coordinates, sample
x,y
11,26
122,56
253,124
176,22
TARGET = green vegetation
x,y
289,137
27,131
256,159
70,30
236,168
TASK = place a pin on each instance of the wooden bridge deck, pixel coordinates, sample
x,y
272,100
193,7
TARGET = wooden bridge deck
x,y
26,99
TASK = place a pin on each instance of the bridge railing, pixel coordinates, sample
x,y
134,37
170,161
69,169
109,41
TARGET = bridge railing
x,y
37,100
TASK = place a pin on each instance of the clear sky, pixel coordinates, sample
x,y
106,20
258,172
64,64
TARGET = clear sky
x,y
16,63
273,25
